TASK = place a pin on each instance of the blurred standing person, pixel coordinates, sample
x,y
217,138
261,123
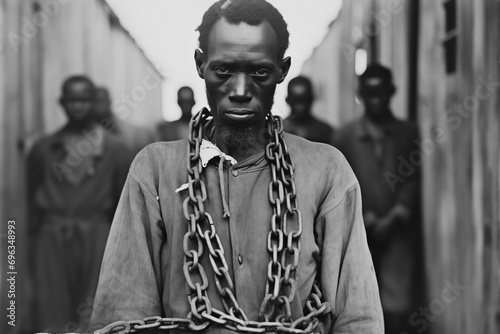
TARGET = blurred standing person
x,y
377,146
179,129
135,137
301,122
75,177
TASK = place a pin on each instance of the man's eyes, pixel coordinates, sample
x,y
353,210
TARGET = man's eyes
x,y
261,73
224,71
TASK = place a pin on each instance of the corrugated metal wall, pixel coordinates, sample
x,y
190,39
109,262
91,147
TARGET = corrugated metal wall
x,y
459,119
42,42
458,116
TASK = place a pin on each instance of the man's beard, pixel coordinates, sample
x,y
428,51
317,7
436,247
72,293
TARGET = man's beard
x,y
236,135
242,138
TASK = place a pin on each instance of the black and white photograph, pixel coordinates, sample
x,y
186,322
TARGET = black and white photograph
x,y
250,166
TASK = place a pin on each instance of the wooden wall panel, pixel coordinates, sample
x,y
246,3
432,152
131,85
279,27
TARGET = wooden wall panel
x,y
487,57
43,42
461,179
460,131
392,19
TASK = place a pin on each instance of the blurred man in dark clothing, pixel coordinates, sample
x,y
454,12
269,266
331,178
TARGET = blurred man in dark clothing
x,y
75,177
382,152
135,137
301,122
178,129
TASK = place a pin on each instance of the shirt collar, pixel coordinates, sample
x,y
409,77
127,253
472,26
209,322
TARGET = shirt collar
x,y
209,150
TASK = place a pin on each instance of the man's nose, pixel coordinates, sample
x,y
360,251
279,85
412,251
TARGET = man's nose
x,y
240,91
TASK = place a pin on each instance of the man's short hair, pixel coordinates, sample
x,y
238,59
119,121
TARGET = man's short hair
x,y
376,71
74,79
252,12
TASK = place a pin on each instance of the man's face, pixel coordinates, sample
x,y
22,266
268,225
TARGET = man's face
x,y
376,94
241,70
78,102
299,98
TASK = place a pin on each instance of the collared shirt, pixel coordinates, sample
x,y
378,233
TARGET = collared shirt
x,y
386,161
142,272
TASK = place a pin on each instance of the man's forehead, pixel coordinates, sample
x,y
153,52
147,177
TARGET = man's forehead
x,y
242,37
299,89
374,82
78,87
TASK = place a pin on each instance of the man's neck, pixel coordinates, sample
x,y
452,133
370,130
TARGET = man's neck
x,y
381,119
239,153
185,118
79,127
301,117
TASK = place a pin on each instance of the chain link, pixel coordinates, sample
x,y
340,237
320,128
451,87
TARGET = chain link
x,y
283,245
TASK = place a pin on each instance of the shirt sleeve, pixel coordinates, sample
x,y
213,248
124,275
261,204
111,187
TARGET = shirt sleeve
x,y
129,284
348,278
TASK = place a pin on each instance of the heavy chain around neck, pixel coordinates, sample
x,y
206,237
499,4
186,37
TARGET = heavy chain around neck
x,y
283,245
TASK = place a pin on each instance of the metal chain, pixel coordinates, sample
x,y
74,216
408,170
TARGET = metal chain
x,y
283,244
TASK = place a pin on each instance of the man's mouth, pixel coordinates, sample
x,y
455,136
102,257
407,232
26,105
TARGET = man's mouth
x,y
237,114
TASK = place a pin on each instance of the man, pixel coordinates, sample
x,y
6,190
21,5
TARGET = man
x,y
301,122
75,177
179,129
233,240
135,137
377,147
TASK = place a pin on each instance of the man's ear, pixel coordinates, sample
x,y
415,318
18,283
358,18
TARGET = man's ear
x,y
285,66
200,59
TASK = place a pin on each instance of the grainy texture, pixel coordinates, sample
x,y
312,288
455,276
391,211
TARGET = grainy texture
x,y
40,46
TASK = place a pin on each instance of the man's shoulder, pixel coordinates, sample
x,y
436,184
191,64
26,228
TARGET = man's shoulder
x,y
404,126
46,141
321,123
113,141
161,154
319,154
349,129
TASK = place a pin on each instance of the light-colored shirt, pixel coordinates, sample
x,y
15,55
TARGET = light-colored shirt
x,y
142,271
